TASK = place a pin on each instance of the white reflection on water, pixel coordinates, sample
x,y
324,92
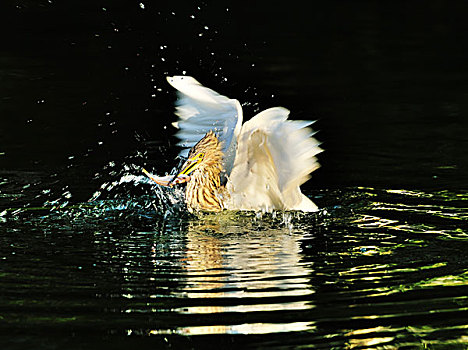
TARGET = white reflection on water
x,y
247,328
300,305
357,339
252,267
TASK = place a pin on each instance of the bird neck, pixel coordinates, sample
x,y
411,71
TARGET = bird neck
x,y
204,190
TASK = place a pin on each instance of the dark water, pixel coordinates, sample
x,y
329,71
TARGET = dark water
x,y
90,259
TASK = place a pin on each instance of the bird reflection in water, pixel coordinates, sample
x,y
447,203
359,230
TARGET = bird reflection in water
x,y
253,266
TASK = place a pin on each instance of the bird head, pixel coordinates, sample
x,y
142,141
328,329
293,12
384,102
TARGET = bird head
x,y
205,154
189,166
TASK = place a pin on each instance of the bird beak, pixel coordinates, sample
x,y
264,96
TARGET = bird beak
x,y
168,180
183,173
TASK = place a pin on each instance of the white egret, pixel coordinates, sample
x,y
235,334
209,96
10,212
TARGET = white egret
x,y
258,165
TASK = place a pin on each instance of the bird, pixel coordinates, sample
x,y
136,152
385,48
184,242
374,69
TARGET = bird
x,y
258,165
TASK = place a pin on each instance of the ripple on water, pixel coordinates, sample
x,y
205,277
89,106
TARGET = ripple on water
x,y
367,273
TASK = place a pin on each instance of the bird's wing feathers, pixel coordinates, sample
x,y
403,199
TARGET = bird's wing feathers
x,y
200,110
275,156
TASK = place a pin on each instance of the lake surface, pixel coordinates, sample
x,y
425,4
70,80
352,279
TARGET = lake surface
x,y
92,256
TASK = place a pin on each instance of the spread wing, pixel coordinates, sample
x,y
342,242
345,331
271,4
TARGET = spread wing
x,y
200,110
275,156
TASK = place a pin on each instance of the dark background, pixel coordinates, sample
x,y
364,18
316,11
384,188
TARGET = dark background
x,y
83,96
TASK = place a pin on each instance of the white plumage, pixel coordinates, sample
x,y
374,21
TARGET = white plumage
x,y
265,160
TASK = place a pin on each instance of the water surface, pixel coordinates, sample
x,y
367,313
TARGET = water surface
x,y
385,268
